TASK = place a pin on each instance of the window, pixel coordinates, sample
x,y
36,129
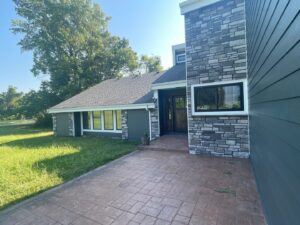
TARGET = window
x,y
226,98
102,121
97,121
119,119
108,120
86,117
180,58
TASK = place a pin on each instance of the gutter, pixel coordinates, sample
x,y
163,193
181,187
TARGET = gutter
x,y
145,106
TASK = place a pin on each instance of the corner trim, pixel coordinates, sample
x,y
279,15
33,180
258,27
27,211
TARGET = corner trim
x,y
191,5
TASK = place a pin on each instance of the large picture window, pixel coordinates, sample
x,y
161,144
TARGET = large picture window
x,y
119,120
219,98
102,121
97,120
108,120
86,117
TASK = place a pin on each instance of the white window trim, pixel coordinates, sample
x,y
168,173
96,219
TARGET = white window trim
x,y
217,113
179,55
102,124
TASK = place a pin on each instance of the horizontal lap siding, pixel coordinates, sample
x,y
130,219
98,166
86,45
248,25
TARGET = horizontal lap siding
x,y
273,41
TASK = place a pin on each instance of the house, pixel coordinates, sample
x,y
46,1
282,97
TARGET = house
x,y
203,95
234,85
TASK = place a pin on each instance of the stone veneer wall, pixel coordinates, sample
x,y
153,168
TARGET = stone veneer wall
x,y
63,118
54,124
124,125
216,51
155,129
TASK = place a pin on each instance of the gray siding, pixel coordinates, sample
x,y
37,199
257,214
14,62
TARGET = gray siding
x,y
273,30
216,51
138,123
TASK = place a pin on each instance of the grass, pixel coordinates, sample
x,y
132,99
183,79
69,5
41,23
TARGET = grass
x,y
33,160
15,122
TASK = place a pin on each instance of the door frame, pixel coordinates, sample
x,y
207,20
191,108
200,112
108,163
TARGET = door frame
x,y
164,96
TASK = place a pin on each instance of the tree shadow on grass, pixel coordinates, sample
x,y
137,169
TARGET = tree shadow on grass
x,y
21,130
90,153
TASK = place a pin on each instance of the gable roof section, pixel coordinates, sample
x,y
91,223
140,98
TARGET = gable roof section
x,y
124,93
176,73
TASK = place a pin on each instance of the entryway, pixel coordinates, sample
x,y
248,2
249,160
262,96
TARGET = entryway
x,y
173,111
174,142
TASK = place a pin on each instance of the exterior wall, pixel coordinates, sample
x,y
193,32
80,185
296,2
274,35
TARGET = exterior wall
x,y
155,129
63,124
137,123
273,29
216,51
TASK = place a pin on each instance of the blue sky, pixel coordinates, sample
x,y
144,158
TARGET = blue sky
x,y
151,26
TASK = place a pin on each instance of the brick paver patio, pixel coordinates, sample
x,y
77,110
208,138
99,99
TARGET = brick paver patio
x,y
150,187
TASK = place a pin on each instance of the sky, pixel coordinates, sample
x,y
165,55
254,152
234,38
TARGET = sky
x,y
151,26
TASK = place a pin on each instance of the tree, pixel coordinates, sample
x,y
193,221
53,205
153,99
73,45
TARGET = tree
x,y
34,103
71,43
149,64
10,103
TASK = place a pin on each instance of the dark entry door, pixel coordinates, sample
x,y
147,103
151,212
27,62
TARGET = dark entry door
x,y
179,114
175,114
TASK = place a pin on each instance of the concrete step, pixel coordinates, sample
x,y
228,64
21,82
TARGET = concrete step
x,y
154,148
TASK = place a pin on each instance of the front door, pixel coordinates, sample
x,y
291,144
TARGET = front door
x,y
174,113
179,114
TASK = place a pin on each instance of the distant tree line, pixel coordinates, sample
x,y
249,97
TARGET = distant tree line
x,y
71,44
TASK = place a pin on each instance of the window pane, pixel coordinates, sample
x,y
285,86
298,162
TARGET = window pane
x,y
219,98
230,98
97,120
119,120
180,103
86,117
108,120
206,99
181,58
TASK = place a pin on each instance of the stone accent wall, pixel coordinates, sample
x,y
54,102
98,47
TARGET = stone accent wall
x,y
124,125
216,51
155,129
54,124
63,124
71,124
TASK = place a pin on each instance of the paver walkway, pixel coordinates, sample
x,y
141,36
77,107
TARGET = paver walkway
x,y
150,187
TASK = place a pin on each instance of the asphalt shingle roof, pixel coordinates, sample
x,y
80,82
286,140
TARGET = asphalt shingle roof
x,y
175,73
123,91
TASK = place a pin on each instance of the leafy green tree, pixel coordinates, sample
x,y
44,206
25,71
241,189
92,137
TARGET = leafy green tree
x,y
34,103
10,103
71,43
149,64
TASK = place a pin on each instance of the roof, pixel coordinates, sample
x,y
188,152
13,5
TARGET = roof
x,y
176,73
121,91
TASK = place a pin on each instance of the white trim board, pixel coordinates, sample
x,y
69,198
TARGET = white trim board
x,y
169,85
191,5
102,108
218,113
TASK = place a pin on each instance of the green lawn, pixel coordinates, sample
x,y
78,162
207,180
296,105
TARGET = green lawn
x,y
33,160
15,122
